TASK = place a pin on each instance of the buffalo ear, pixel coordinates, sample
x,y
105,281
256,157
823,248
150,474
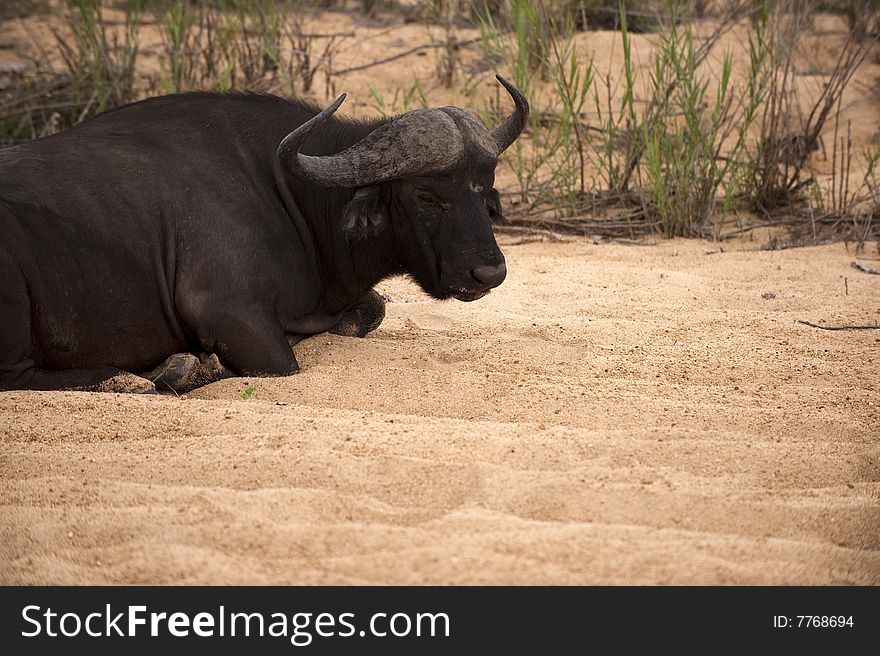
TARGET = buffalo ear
x,y
493,202
365,215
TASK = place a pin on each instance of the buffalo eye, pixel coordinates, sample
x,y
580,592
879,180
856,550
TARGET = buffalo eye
x,y
430,198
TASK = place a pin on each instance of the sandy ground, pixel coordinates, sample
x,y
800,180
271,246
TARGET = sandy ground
x,y
611,414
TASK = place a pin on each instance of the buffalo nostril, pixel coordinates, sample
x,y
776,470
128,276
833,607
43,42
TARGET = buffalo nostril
x,y
490,275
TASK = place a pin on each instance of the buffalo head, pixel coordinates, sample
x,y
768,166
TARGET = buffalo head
x,y
428,176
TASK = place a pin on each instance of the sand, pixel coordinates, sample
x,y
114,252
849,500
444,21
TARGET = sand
x,y
613,413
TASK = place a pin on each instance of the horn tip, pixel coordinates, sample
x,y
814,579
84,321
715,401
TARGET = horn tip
x,y
337,103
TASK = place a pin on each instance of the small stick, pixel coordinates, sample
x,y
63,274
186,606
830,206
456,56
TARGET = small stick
x,y
845,327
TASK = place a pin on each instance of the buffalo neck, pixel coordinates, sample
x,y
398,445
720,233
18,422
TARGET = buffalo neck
x,y
348,268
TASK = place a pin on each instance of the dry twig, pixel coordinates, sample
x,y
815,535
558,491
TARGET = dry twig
x,y
843,327
400,55
865,268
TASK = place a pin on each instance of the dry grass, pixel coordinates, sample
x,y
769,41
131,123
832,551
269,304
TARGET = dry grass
x,y
675,147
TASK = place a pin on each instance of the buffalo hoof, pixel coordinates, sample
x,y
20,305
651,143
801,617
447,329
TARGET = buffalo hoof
x,y
212,369
183,372
363,317
177,373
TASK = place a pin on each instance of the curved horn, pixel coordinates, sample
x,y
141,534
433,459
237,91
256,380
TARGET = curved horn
x,y
288,150
416,142
506,133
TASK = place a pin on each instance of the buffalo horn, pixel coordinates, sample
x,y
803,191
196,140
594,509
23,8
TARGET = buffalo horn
x,y
418,142
506,133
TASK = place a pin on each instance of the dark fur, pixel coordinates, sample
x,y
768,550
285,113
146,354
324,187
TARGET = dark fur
x,y
167,226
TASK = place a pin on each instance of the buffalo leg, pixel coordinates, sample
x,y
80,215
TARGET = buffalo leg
x,y
363,317
252,346
18,366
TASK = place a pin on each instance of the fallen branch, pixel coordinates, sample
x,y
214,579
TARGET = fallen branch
x,y
400,55
866,269
756,226
845,327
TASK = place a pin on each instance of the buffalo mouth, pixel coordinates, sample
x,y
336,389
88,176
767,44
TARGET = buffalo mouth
x,y
469,295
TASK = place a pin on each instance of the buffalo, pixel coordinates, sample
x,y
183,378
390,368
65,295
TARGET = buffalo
x,y
199,223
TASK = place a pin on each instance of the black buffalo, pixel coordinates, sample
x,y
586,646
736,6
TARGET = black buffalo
x,y
201,223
